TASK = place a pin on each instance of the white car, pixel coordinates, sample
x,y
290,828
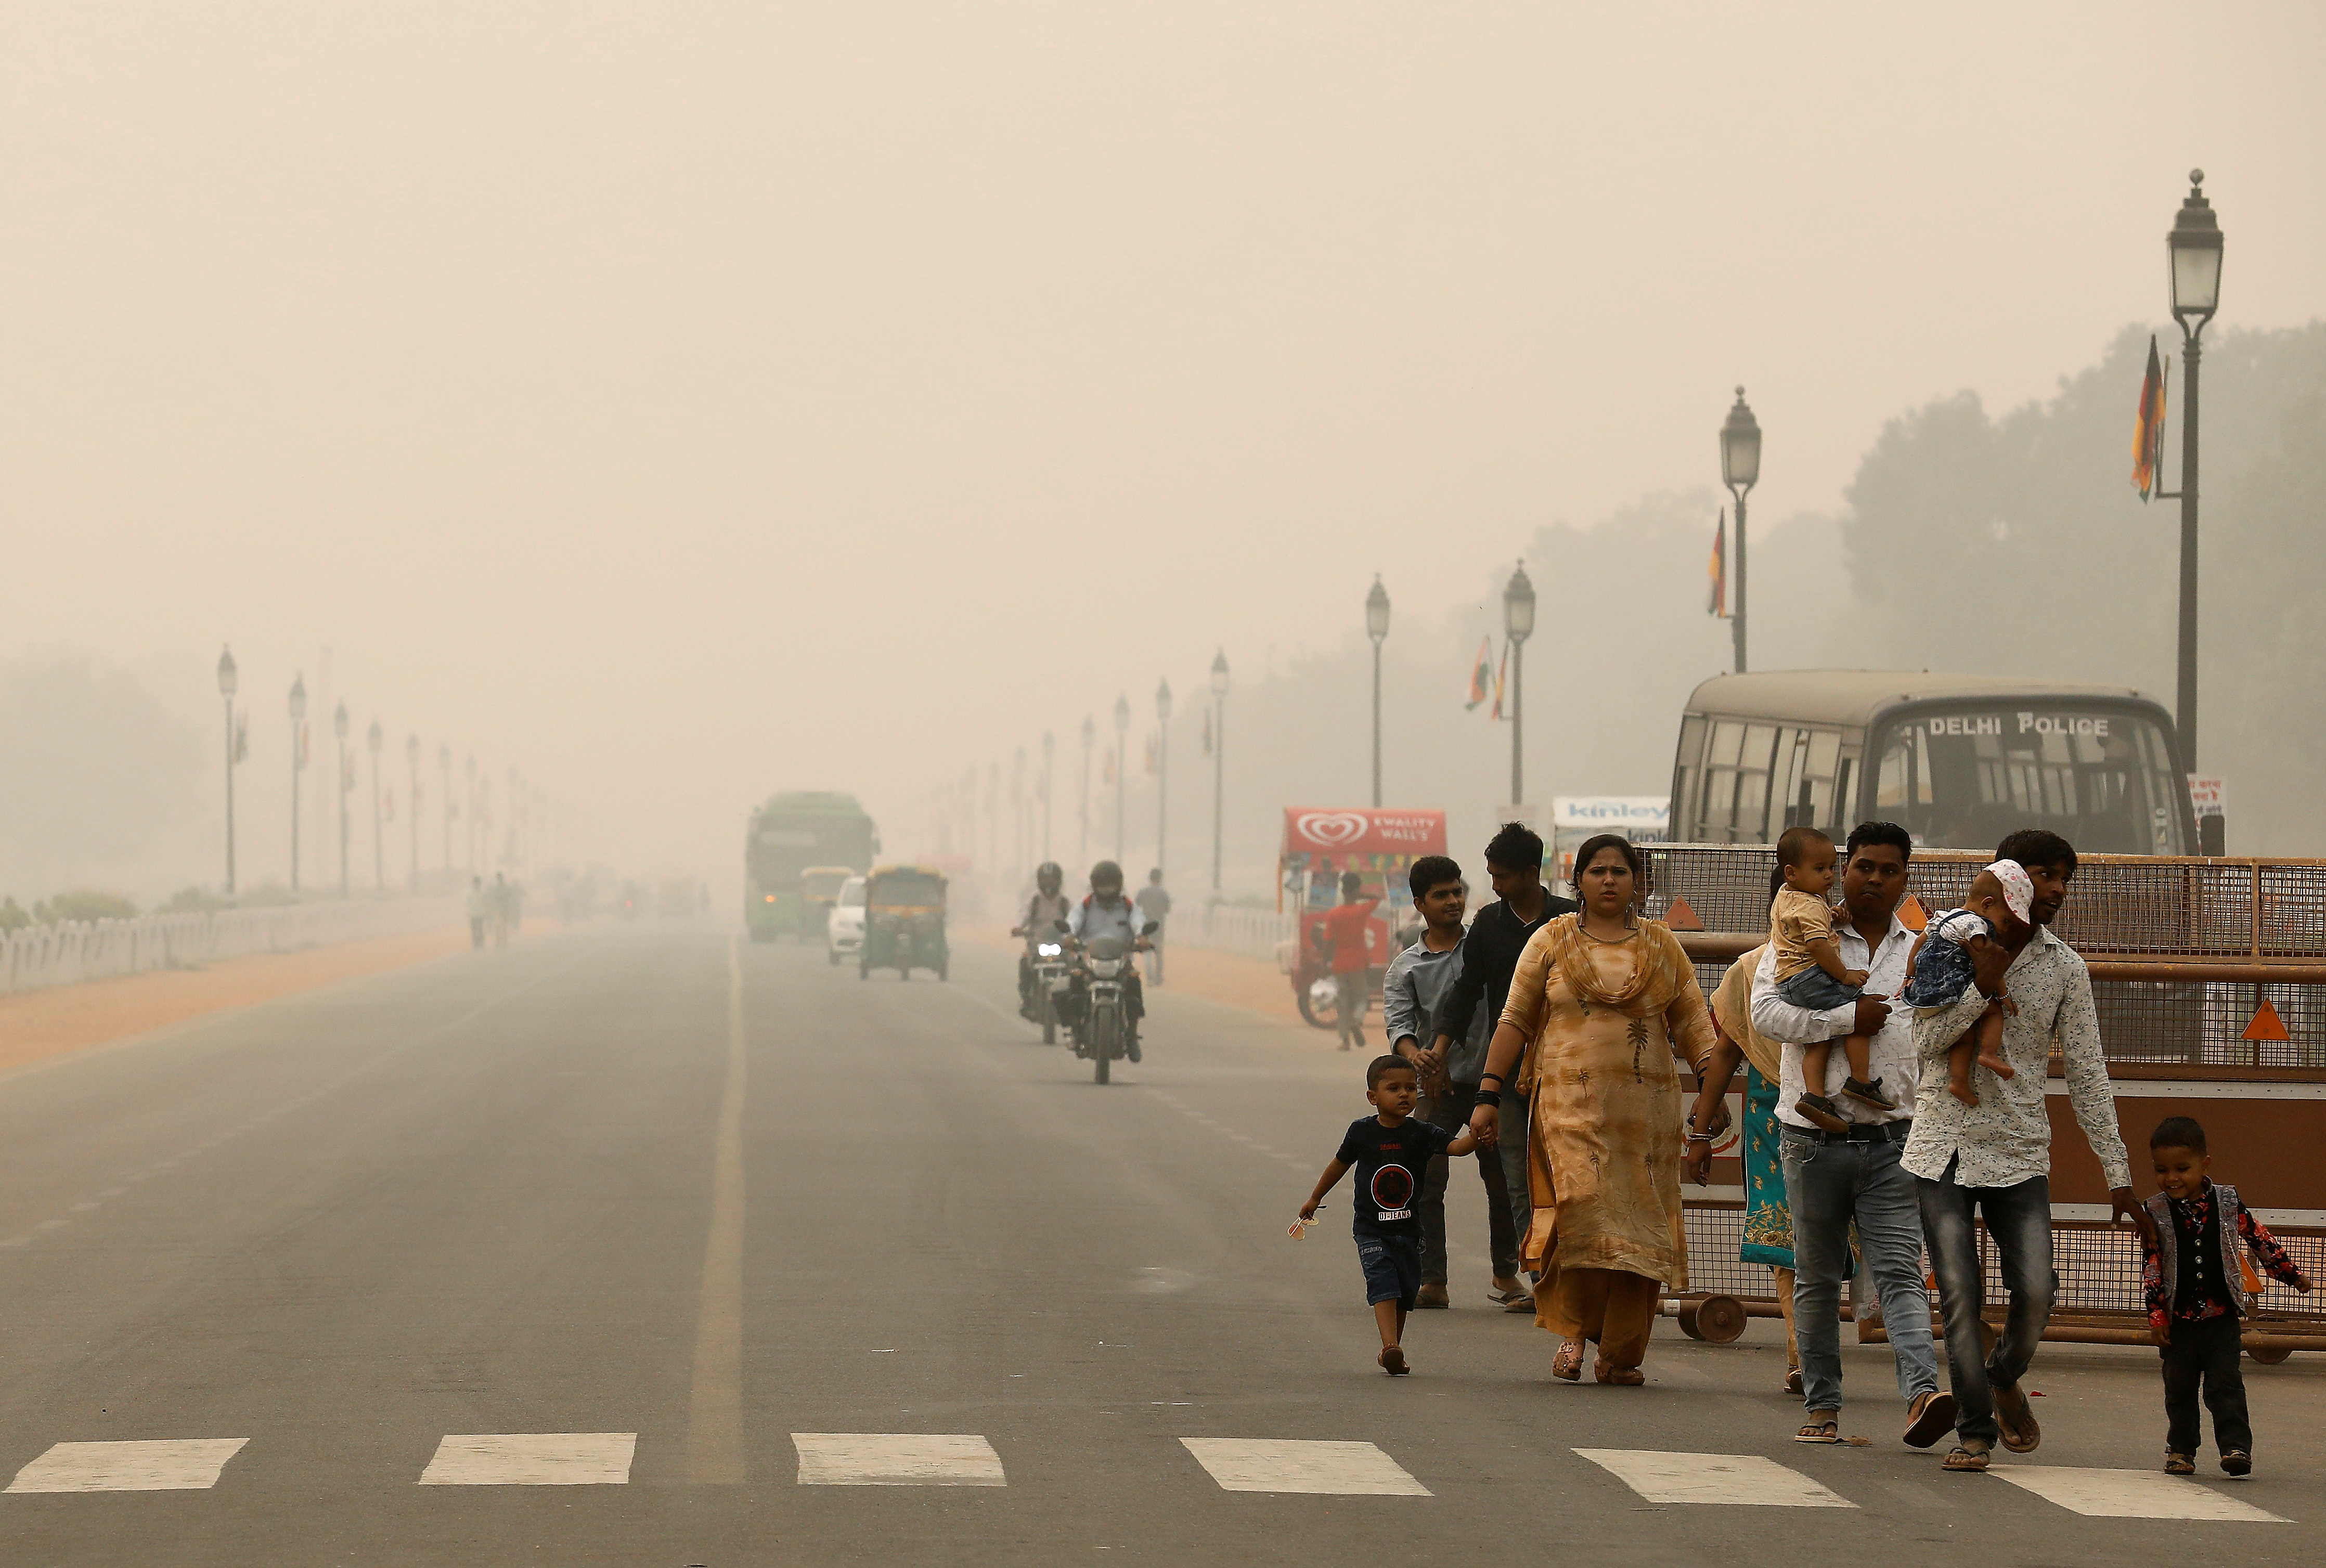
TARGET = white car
x,y
843,928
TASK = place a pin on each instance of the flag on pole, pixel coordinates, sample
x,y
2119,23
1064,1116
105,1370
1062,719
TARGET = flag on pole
x,y
1502,671
1481,674
2148,429
1717,602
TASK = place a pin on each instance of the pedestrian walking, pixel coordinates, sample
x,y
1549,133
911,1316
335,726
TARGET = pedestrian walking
x,y
1413,992
480,908
1346,928
1154,903
1490,953
1993,1160
504,909
2200,1285
1598,1003
1390,1151
1834,1180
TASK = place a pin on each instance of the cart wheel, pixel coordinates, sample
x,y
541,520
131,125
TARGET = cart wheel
x,y
2269,1355
1716,1319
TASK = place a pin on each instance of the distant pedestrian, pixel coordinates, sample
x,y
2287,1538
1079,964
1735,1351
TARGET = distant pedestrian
x,y
504,909
2199,1284
1154,903
480,909
1346,928
1390,1153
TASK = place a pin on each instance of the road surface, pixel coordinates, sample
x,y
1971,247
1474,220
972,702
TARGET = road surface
x,y
644,1245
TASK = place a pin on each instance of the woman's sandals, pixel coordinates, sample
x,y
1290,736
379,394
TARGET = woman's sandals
x,y
1566,1366
1821,1427
1393,1361
1618,1377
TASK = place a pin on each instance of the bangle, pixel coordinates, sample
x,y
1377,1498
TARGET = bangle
x,y
1695,1137
1488,1097
1497,1077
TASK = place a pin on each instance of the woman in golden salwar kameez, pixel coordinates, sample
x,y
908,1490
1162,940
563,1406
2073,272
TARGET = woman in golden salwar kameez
x,y
1599,1002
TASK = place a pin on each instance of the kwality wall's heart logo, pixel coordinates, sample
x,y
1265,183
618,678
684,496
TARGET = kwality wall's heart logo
x,y
1332,828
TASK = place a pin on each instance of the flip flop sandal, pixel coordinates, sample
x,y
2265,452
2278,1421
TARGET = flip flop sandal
x,y
1966,1459
1568,1364
2236,1461
1826,1431
1393,1361
1929,1418
1793,1381
2020,1434
2180,1464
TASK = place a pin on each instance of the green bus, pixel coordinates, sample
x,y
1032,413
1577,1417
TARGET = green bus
x,y
790,833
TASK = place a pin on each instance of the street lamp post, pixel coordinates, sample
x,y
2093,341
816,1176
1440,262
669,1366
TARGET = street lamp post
x,y
339,730
378,847
2195,247
411,756
444,767
1518,626
1740,469
475,814
1219,757
1018,811
228,680
1121,768
298,761
1377,629
1050,757
1089,740
1162,761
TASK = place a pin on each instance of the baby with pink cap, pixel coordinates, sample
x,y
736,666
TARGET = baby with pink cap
x,y
1938,974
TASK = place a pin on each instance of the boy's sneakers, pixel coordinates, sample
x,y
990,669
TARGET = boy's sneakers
x,y
1817,1111
1868,1094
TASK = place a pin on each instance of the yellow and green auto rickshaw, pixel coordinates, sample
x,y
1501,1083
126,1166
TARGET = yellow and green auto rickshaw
x,y
904,922
819,891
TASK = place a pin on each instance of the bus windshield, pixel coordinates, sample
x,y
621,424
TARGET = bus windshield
x,y
1963,776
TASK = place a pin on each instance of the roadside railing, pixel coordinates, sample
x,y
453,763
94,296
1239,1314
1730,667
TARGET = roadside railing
x,y
39,956
1258,934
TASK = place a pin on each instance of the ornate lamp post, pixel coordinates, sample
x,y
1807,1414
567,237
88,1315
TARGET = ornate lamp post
x,y
1740,470
2195,246
1162,761
1219,757
229,679
476,813
1050,757
1089,740
444,768
1377,629
378,847
340,730
298,761
1121,768
1518,626
412,757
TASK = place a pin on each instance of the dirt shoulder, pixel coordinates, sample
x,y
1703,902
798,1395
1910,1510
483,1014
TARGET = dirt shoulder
x,y
38,1025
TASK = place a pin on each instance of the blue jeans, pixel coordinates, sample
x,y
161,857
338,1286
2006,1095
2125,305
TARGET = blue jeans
x,y
1451,1112
1512,1128
1392,1266
2019,1223
1827,1185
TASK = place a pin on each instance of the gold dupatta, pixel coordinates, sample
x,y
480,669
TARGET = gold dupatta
x,y
1661,968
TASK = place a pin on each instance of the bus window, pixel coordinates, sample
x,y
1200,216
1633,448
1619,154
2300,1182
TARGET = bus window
x,y
1753,783
1719,811
1685,771
1964,780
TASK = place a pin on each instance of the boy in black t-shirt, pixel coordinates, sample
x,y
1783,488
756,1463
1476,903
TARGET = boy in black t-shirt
x,y
1391,1152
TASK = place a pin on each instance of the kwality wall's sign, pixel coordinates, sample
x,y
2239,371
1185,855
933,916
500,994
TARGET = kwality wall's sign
x,y
1356,830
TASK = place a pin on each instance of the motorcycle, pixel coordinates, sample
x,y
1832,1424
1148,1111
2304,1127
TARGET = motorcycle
x,y
1104,1031
1051,983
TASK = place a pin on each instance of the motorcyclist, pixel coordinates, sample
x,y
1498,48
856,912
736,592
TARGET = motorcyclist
x,y
1105,911
1043,909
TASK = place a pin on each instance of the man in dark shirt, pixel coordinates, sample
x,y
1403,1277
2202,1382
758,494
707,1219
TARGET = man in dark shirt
x,y
1489,956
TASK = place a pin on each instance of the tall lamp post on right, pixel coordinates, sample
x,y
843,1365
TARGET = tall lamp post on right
x,y
2195,247
1518,626
340,730
1089,740
228,680
1121,768
1740,469
1219,757
1377,629
298,761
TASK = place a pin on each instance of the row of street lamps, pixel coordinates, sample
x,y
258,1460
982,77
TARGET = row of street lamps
x,y
375,739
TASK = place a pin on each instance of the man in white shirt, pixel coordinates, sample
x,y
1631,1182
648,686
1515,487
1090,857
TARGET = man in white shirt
x,y
1834,1178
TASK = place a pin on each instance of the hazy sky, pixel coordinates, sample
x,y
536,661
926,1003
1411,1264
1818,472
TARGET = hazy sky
x,y
690,400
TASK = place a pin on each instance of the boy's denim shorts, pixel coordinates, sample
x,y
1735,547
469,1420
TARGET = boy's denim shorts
x,y
1392,1266
1817,990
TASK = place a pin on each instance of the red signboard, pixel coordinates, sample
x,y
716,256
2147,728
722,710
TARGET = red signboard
x,y
1353,831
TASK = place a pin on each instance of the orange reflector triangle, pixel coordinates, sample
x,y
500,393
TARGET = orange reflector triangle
x,y
1912,914
2266,1025
1680,917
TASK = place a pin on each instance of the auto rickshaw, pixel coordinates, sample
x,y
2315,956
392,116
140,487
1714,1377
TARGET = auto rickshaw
x,y
904,922
819,891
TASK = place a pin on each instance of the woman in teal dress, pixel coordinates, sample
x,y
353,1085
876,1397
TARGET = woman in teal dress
x,y
1768,1217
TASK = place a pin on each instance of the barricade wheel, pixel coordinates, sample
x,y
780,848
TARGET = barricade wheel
x,y
1719,1319
2269,1355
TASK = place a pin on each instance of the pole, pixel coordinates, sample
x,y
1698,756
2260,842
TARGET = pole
x,y
444,762
230,796
411,806
1049,772
343,816
1377,798
378,847
1121,789
1518,721
1082,850
1219,763
1162,783
2191,351
295,807
1736,621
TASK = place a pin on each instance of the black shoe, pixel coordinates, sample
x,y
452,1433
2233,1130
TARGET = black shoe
x,y
1868,1094
1818,1111
1131,1048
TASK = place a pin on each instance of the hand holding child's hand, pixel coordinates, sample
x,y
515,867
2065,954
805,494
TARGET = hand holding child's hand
x,y
1855,977
2009,1005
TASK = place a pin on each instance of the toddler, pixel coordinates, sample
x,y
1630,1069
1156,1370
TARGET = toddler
x,y
1937,976
2198,1283
1391,1152
1810,974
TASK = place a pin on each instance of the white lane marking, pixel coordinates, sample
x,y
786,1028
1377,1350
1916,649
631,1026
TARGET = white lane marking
x,y
897,1459
184,1464
1713,1478
532,1459
1241,1464
2129,1494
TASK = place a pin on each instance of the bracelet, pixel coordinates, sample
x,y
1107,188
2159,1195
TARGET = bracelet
x,y
1497,1077
1695,1137
1488,1097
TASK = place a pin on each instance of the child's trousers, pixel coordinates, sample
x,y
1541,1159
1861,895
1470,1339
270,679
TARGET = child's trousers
x,y
2205,1352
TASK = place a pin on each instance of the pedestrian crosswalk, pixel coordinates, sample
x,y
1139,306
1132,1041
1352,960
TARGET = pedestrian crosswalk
x,y
1272,1465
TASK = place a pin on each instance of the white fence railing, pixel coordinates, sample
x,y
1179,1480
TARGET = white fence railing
x,y
39,956
1254,933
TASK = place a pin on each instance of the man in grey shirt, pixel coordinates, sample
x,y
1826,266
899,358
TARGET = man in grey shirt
x,y
1413,995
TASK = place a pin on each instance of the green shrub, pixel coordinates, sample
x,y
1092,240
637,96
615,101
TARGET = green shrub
x,y
193,901
13,916
88,903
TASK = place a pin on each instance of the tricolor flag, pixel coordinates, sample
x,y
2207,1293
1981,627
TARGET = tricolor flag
x,y
1717,602
2148,429
1501,670
1481,674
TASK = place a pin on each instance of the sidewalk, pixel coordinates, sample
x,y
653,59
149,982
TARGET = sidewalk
x,y
38,1025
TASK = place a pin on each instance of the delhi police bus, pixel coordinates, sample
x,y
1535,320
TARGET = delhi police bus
x,y
791,832
1959,760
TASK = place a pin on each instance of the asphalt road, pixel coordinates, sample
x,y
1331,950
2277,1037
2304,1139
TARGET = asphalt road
x,y
546,1256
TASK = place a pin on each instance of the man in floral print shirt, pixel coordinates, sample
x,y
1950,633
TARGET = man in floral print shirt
x,y
1993,1160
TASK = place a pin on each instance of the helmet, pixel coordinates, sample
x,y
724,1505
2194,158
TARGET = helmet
x,y
1106,874
1048,874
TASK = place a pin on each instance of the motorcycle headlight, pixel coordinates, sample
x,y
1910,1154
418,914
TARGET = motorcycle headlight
x,y
1049,950
1106,969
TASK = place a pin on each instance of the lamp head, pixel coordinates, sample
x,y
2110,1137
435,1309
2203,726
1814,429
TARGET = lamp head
x,y
1090,731
372,737
1377,610
1518,606
298,698
1122,710
1220,673
1740,447
411,750
339,721
1050,745
2195,247
1163,701
227,678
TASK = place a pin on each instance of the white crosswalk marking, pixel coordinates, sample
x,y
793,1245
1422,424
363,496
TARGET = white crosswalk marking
x,y
173,1465
1241,1464
2129,1494
532,1459
1713,1478
897,1459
